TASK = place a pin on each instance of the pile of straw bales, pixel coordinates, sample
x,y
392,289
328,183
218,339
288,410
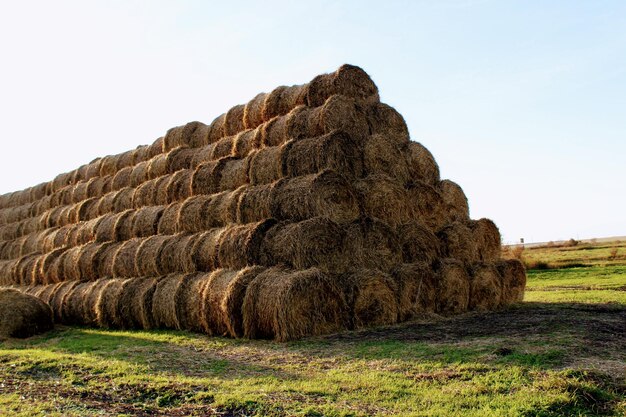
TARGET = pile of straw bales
x,y
305,211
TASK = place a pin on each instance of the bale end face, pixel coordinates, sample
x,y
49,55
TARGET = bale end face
x,y
23,315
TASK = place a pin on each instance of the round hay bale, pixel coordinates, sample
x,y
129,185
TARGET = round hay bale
x,y
179,186
147,260
233,173
6,272
57,299
78,192
202,181
196,134
253,111
104,257
513,277
282,100
86,209
326,194
121,179
173,138
157,166
371,244
160,196
203,154
216,129
241,245
123,200
45,293
22,315
25,269
316,242
92,291
254,203
108,164
95,187
110,227
139,174
416,285
189,301
177,255
205,250
70,271
485,287
142,305
60,181
265,165
131,302
212,314
156,148
233,121
145,194
386,121
288,305
87,231
192,214
107,314
455,201
487,237
382,155
458,242
124,259
52,266
453,289
371,298
384,198
146,221
429,204
348,80
245,142
105,203
125,160
179,158
142,153
168,223
93,169
164,302
232,300
423,165
87,260
72,308
221,208
419,243
335,150
222,148
275,132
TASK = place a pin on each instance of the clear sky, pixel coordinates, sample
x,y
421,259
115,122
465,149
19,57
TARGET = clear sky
x,y
523,103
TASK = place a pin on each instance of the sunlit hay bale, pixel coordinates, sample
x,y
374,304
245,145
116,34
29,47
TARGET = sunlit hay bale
x,y
371,244
196,134
144,195
202,154
72,307
316,242
139,174
205,250
453,287
203,181
348,80
125,160
131,303
157,166
419,243
25,269
177,253
233,173
160,196
222,208
423,165
212,314
245,142
179,186
458,242
216,129
70,264
123,200
45,273
179,158
326,194
142,153
90,300
416,285
106,306
382,155
232,300
156,147
281,101
87,260
43,205
455,201
22,315
147,259
33,290
513,277
78,174
30,225
65,216
233,120
253,111
192,214
241,245
189,301
265,165
429,204
254,203
485,287
107,165
95,187
93,169
79,192
146,221
287,305
56,272
487,237
57,299
12,231
86,209
275,132
105,256
105,203
29,243
124,259
384,120
164,302
121,179
39,191
60,181
142,308
384,198
6,268
168,223
371,298
109,229
87,231
51,219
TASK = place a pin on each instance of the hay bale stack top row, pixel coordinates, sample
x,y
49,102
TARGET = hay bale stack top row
x,y
305,211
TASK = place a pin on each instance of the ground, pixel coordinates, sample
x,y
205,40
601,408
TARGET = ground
x,y
559,353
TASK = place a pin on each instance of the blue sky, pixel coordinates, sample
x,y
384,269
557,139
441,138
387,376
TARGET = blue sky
x,y
521,102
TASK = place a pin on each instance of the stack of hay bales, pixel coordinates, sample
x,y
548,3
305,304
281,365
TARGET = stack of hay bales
x,y
305,211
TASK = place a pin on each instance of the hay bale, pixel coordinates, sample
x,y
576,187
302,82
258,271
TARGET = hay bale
x,y
164,302
90,300
78,192
139,174
168,223
45,293
57,299
131,303
383,155
124,259
233,121
69,266
371,244
142,153
233,173
202,181
316,242
202,154
192,216
142,307
107,314
212,314
121,179
177,255
282,100
179,158
487,237
429,204
104,258
245,142
105,203
72,307
254,203
485,287
216,129
147,259
455,201
145,194
107,165
87,231
146,221
86,210
6,268
189,301
109,228
335,150
50,267
156,147
326,194
458,242
241,245
160,196
22,315
24,271
179,186
124,226
221,208
382,197
275,132
196,134
513,278
416,285
232,300
253,111
87,260
123,200
157,166
205,250
419,243
347,80
453,289
125,160
386,121
371,298
288,305
423,165
265,165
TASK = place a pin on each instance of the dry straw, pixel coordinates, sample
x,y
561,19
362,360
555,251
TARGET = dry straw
x,y
416,289
371,244
422,164
513,276
22,315
233,298
487,237
419,243
383,197
485,287
455,201
453,289
213,315
164,302
189,301
371,298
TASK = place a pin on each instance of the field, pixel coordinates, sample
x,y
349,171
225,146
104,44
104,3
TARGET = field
x,y
559,353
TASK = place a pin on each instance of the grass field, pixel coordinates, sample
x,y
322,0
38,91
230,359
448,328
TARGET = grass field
x,y
559,353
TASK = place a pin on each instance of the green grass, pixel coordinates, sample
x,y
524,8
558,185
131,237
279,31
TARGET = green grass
x,y
560,353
